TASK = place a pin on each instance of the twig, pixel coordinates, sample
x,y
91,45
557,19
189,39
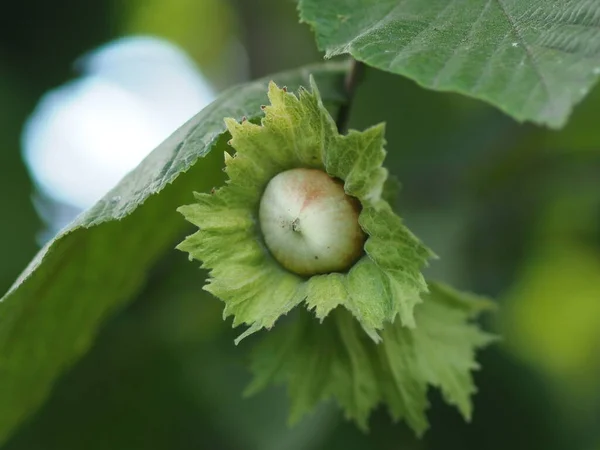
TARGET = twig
x,y
352,80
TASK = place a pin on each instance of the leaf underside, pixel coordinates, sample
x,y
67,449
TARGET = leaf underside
x,y
533,59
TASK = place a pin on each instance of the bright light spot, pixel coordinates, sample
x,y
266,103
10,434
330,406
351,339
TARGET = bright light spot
x,y
84,136
515,44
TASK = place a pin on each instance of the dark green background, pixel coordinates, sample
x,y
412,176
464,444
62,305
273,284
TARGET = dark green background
x,y
513,210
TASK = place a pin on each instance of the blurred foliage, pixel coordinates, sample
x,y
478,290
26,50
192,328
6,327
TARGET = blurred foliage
x,y
18,222
204,29
207,30
513,211
273,37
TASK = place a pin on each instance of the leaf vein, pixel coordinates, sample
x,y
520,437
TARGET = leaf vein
x,y
529,53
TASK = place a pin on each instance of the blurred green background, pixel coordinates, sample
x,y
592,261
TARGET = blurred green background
x,y
513,211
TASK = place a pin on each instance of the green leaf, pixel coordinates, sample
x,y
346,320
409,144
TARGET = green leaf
x,y
534,59
299,132
51,314
360,374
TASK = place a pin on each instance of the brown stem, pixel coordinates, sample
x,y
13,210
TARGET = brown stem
x,y
352,80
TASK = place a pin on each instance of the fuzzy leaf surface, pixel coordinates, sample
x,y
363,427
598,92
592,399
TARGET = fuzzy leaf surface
x,y
333,359
50,316
533,59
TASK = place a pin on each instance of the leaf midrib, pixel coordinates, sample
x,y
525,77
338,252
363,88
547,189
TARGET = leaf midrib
x,y
529,54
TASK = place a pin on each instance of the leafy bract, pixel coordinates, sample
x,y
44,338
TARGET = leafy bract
x,y
333,359
299,132
51,314
534,59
